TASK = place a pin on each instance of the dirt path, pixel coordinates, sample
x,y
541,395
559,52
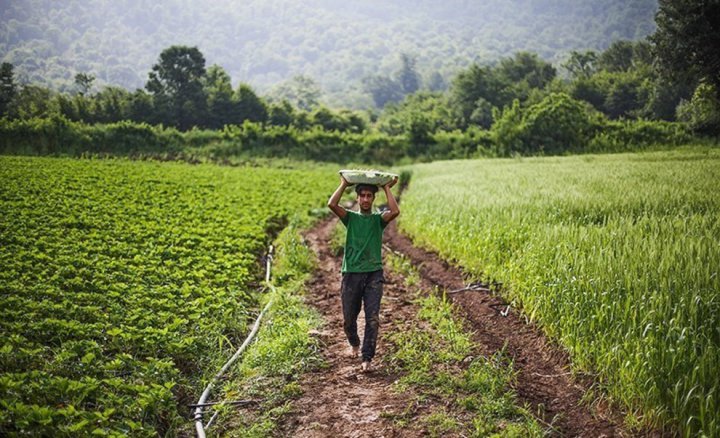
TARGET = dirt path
x,y
341,401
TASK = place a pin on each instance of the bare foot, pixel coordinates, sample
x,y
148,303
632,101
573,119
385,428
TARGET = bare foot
x,y
353,351
365,367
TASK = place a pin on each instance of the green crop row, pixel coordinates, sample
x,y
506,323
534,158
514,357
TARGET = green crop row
x,y
124,285
615,256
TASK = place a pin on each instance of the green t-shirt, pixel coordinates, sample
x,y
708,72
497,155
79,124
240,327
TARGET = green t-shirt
x,y
363,243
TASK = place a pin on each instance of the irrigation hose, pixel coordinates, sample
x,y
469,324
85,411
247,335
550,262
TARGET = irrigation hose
x,y
199,427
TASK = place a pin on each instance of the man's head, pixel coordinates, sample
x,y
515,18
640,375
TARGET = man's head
x,y
366,196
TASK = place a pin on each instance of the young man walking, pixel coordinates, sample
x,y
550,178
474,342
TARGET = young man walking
x,y
362,269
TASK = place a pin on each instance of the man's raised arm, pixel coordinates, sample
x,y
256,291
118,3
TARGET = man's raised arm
x,y
335,199
392,203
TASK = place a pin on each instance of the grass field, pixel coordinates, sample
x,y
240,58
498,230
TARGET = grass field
x,y
616,256
125,284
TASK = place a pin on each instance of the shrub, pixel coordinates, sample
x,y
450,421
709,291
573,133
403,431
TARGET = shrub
x,y
632,135
556,124
702,112
474,142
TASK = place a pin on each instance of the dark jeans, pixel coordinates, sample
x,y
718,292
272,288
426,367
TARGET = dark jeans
x,y
364,289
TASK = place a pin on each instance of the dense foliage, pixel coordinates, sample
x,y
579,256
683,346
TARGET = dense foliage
x,y
266,42
516,107
687,38
512,135
124,285
615,256
522,102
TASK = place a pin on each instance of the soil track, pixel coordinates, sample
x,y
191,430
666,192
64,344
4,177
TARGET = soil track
x,y
340,401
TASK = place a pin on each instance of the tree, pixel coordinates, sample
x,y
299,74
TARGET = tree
x,y
687,39
581,65
281,114
33,101
623,98
702,112
419,134
8,88
556,124
329,120
84,82
433,108
176,83
475,88
354,122
219,93
66,107
301,91
663,98
590,90
408,77
140,107
386,90
618,57
383,90
643,53
527,67
249,106
436,82
110,105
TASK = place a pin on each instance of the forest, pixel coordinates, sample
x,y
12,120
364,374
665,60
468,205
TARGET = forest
x,y
615,100
267,43
636,92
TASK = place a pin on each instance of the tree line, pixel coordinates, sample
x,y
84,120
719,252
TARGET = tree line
x,y
521,104
180,92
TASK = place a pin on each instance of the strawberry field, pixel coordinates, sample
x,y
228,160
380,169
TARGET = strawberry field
x,y
125,284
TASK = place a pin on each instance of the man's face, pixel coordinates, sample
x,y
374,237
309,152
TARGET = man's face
x,y
365,199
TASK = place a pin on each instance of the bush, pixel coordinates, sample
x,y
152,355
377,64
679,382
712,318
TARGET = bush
x,y
129,138
474,142
57,135
631,135
46,136
556,124
702,112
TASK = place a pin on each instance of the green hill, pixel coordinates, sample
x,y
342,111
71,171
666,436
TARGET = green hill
x,y
266,42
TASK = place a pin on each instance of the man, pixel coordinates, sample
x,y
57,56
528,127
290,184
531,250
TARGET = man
x,y
362,269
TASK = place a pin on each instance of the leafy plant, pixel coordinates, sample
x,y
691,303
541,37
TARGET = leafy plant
x,y
125,284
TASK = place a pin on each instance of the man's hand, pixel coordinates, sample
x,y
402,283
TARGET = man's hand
x,y
391,183
392,203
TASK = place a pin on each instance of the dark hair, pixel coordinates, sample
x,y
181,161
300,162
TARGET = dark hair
x,y
371,187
